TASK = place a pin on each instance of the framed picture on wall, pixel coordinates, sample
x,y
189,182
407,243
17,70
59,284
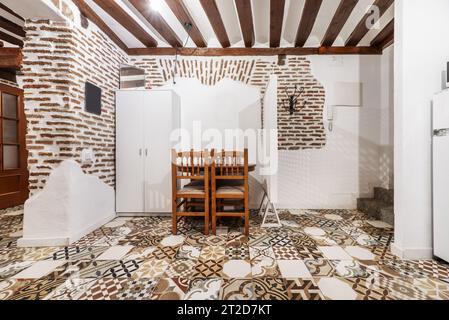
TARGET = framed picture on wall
x,y
92,99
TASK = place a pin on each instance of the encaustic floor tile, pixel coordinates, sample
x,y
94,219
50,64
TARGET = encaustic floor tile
x,y
316,254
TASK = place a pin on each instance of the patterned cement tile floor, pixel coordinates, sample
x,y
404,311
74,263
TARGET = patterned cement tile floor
x,y
325,254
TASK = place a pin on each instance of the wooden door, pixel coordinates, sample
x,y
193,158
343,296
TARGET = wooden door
x,y
13,154
129,152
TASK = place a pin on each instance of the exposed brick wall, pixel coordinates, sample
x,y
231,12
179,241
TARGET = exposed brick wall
x,y
303,130
58,59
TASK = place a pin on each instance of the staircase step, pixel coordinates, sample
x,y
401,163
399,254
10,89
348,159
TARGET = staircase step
x,y
387,215
384,195
371,207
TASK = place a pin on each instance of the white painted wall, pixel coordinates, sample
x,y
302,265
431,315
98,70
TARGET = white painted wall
x,y
349,165
419,68
214,109
387,119
270,153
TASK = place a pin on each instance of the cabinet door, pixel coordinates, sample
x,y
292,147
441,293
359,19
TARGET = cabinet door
x,y
158,128
129,152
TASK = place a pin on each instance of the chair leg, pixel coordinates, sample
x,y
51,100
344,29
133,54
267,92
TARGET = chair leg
x,y
246,217
175,224
174,217
214,217
206,216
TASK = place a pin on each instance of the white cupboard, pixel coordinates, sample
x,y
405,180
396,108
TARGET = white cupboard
x,y
145,120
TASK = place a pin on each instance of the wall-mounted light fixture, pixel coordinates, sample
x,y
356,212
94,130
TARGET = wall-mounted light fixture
x,y
292,103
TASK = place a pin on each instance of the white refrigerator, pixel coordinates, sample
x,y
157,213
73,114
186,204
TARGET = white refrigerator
x,y
440,173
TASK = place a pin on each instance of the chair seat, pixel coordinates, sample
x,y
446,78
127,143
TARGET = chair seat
x,y
231,190
192,189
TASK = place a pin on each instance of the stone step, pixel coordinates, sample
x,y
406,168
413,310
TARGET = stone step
x,y
371,207
387,215
384,195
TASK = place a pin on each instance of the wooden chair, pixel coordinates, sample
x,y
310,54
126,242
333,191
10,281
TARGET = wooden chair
x,y
229,171
191,167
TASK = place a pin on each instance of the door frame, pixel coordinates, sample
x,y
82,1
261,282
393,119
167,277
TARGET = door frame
x,y
13,199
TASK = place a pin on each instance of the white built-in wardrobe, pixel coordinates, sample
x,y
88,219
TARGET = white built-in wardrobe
x,y
145,120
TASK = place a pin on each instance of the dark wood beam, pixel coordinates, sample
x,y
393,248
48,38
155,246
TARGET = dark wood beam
x,y
277,8
350,50
385,37
342,14
8,74
245,14
12,27
11,58
157,21
362,29
216,52
9,38
120,15
184,17
2,6
214,16
308,18
92,16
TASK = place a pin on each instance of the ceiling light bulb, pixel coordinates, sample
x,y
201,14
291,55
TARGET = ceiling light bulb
x,y
155,5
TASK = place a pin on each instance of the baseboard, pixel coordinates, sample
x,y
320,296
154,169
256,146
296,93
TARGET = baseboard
x,y
43,242
142,215
63,241
412,253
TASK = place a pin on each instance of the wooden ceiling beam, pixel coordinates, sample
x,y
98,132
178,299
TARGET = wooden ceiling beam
x,y
214,16
385,37
10,39
340,18
215,52
245,14
277,8
308,18
157,21
11,58
369,18
120,15
87,11
12,27
5,8
184,17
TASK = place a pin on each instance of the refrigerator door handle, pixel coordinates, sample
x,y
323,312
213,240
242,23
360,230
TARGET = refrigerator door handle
x,y
441,132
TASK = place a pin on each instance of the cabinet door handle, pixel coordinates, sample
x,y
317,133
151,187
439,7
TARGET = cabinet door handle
x,y
146,152
140,152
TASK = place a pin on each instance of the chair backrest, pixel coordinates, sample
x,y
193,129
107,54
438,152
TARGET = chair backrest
x,y
191,165
230,165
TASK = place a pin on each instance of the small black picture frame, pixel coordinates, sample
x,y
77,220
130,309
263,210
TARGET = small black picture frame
x,y
92,99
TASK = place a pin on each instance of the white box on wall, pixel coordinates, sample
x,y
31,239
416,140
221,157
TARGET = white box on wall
x,y
347,94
